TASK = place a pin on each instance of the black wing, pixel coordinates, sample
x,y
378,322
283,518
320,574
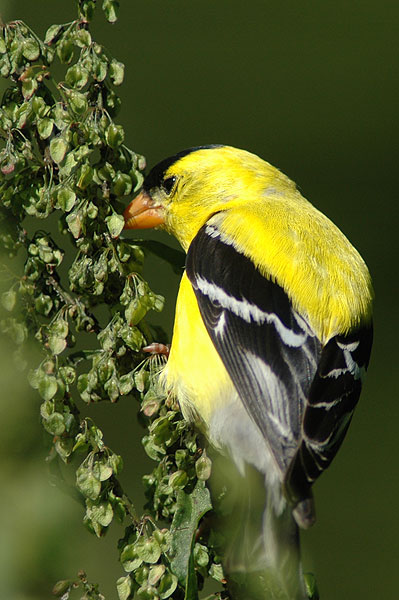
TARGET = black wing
x,y
269,351
301,395
333,396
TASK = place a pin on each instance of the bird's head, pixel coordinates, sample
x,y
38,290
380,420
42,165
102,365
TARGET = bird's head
x,y
182,192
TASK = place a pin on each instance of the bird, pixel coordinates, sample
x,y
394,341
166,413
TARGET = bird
x,y
272,333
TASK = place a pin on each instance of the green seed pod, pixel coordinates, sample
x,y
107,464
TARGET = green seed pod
x,y
61,587
77,76
45,127
122,184
30,49
65,51
58,148
116,72
203,467
114,135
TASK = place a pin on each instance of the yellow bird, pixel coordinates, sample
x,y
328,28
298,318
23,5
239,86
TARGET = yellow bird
x,y
273,327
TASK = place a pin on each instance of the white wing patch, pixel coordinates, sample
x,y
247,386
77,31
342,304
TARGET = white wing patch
x,y
275,394
219,329
215,233
351,365
249,312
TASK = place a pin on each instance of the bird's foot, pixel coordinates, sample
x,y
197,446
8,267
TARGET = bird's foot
x,y
157,348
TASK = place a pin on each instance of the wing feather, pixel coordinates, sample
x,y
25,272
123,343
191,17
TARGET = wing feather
x,y
268,350
300,394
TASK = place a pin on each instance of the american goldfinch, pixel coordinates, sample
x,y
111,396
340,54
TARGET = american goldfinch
x,y
273,326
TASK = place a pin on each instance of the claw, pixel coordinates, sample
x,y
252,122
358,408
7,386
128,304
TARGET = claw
x,y
156,348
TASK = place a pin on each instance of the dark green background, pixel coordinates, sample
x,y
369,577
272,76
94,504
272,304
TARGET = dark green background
x,y
311,87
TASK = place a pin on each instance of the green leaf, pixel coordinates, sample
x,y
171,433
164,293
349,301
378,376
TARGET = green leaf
x,y
124,587
43,304
81,442
5,66
61,587
135,311
78,102
126,383
29,86
30,49
39,106
203,467
45,127
216,571
140,379
116,72
122,184
147,592
115,224
102,513
88,484
54,424
8,300
112,389
178,480
114,135
23,114
52,32
47,408
190,509
130,559
148,550
47,386
86,9
58,148
74,224
155,574
104,470
66,199
111,8
167,586
64,447
100,70
65,51
153,450
56,344
68,374
85,176
60,327
92,210
311,586
34,377
141,574
83,38
77,76
201,556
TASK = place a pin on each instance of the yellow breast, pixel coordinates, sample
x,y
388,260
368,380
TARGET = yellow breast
x,y
194,371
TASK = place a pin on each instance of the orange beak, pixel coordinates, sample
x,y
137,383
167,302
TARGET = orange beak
x,y
143,213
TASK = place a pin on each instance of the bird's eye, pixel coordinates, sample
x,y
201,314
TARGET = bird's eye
x,y
168,184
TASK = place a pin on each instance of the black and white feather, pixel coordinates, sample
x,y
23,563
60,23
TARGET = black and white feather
x,y
300,394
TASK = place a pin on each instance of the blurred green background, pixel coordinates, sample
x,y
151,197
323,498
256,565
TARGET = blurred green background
x,y
312,87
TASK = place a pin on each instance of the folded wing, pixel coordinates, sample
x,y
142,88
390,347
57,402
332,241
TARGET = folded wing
x,y
300,394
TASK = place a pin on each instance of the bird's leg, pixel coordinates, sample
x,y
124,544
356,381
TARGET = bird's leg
x,y
157,348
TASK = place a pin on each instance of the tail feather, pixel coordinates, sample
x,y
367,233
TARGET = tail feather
x,y
282,554
262,551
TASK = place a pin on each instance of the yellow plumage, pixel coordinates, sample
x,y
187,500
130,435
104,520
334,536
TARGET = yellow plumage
x,y
202,387
286,237
272,329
